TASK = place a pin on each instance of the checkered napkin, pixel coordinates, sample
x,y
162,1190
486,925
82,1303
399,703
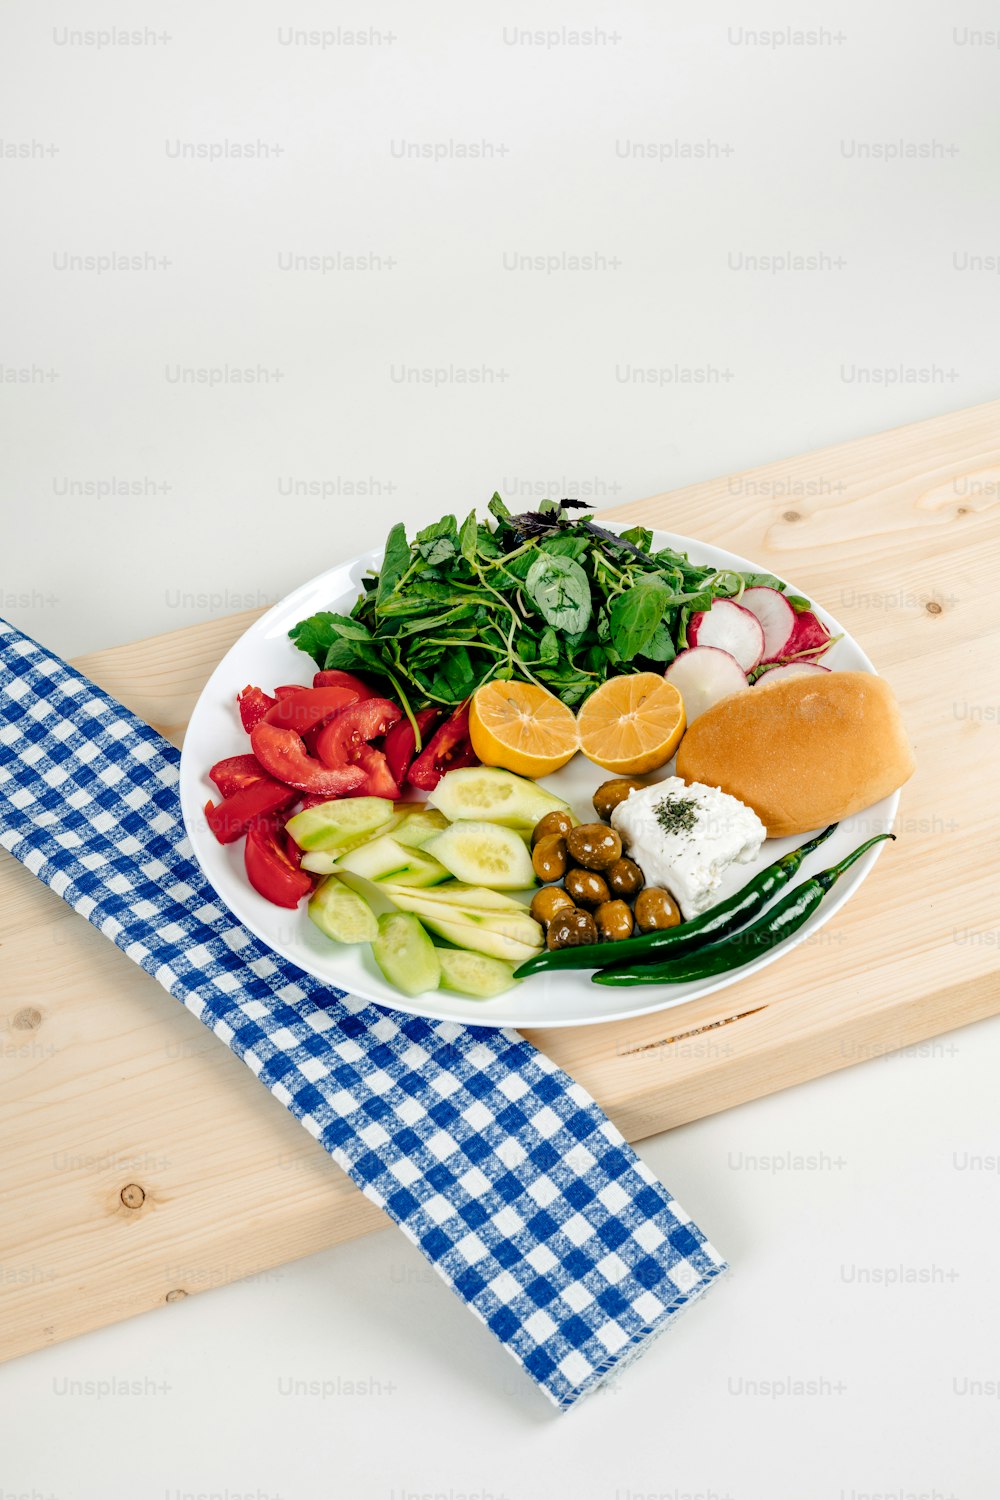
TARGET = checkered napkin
x,y
519,1191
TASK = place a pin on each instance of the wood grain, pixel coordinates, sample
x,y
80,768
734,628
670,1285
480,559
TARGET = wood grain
x,y
143,1162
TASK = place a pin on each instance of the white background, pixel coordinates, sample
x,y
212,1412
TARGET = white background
x,y
134,503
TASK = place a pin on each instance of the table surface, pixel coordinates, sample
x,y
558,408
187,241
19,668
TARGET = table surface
x,y
852,1351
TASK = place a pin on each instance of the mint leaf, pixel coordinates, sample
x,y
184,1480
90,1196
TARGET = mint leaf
x,y
469,537
636,615
560,591
438,543
394,563
316,635
548,647
639,536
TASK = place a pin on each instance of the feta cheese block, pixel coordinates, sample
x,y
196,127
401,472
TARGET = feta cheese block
x,y
685,836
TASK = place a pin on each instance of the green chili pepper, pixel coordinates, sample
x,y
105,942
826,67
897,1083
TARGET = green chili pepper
x,y
672,941
784,918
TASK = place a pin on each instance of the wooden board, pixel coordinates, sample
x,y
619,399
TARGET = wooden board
x,y
142,1162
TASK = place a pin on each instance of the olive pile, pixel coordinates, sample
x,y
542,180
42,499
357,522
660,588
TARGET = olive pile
x,y
603,897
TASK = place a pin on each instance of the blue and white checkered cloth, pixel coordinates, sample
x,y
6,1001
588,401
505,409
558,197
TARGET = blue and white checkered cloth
x,y
519,1191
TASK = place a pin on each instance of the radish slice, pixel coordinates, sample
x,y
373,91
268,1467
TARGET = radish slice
x,y
703,676
731,628
790,669
777,618
809,636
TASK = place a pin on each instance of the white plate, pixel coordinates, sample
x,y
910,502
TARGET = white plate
x,y
265,656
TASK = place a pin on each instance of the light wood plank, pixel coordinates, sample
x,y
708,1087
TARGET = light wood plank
x,y
108,1084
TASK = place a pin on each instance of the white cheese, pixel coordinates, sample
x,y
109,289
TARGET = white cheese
x,y
685,837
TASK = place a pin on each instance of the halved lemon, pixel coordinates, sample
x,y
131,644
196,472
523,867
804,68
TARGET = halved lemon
x,y
522,727
632,724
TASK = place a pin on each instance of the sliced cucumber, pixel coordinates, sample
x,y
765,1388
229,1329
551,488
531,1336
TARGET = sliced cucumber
x,y
321,861
482,940
384,859
341,824
484,854
517,925
418,826
454,893
341,913
495,796
405,954
474,974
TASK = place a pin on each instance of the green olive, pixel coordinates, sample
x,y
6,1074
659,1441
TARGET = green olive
x,y
608,795
624,877
595,846
655,909
570,929
549,857
546,903
614,921
587,888
553,822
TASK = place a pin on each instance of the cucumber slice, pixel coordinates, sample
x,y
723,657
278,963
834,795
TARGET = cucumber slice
x,y
474,897
418,826
474,974
384,859
484,854
341,824
321,861
405,954
517,925
496,796
341,913
482,940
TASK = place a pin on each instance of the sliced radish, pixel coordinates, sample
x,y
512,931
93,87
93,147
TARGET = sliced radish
x,y
790,669
777,618
731,628
809,638
703,675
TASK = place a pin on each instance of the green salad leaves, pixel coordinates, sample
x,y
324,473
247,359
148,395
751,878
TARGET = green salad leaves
x,y
544,596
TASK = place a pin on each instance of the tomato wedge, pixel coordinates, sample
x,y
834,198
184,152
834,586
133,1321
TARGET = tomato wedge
x,y
283,755
254,704
449,748
235,772
269,870
303,708
342,740
335,678
401,742
381,782
230,819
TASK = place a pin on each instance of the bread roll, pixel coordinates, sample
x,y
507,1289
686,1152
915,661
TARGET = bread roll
x,y
803,752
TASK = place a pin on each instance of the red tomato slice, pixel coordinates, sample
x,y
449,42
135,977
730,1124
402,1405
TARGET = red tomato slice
x,y
342,740
254,704
304,707
268,867
381,782
236,772
287,688
230,819
283,755
335,678
448,749
401,742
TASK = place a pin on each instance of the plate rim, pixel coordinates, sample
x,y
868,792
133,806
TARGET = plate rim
x,y
196,832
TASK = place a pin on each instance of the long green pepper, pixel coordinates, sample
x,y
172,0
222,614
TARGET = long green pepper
x,y
673,941
784,918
